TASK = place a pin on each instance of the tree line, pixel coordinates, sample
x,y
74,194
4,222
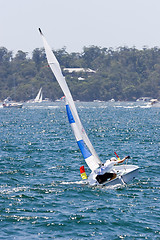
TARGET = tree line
x,y
124,74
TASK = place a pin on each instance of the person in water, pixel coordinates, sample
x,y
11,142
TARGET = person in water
x,y
105,172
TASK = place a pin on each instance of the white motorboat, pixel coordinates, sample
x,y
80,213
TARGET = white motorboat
x,y
8,103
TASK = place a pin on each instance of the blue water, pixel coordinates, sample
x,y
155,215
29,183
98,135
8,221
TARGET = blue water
x,y
41,192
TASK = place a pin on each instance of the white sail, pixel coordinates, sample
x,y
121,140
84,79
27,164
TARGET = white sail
x,y
39,96
55,67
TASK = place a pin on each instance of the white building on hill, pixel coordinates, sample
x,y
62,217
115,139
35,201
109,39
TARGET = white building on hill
x,y
79,70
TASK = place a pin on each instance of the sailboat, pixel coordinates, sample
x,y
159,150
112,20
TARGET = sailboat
x,y
38,98
125,173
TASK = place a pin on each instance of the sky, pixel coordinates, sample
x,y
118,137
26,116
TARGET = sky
x,y
77,23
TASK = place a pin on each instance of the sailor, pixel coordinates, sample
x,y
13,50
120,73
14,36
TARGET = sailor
x,y
105,171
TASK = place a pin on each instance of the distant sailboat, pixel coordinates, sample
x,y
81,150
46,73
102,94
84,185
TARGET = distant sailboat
x,y
125,173
38,98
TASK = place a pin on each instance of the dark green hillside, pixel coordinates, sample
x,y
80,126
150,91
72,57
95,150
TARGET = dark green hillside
x,y
122,74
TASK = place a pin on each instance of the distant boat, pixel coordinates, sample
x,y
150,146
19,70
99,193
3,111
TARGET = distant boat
x,y
8,103
154,103
125,173
46,100
143,99
38,98
60,99
97,100
112,100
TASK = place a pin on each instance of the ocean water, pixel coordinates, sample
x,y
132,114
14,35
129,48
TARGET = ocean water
x,y
42,195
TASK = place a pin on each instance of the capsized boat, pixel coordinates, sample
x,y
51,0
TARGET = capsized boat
x,y
125,173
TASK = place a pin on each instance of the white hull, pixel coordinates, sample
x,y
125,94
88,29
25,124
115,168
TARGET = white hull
x,y
125,174
12,105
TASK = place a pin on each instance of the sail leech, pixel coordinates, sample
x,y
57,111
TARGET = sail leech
x,y
93,160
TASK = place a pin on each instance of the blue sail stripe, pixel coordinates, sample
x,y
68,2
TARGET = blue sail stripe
x,y
69,114
85,152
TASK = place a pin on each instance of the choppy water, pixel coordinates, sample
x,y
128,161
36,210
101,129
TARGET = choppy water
x,y
41,192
